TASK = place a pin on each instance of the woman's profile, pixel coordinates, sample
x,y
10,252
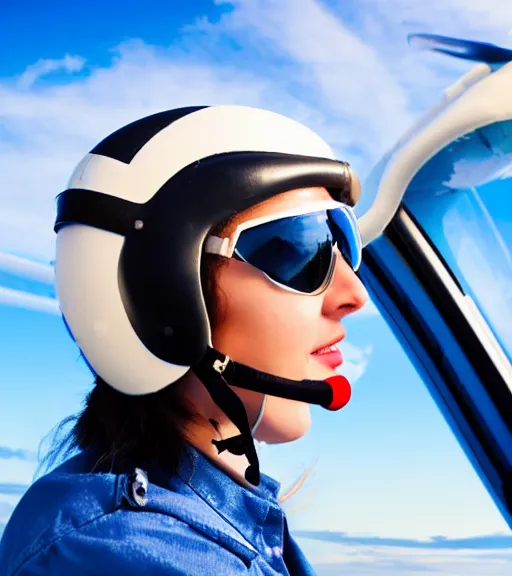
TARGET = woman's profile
x,y
205,257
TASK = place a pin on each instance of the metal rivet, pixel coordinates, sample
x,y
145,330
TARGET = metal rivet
x,y
139,224
139,485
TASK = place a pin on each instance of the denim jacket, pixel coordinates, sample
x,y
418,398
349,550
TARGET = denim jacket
x,y
199,522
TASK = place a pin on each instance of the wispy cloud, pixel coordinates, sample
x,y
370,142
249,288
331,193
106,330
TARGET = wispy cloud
x,y
487,542
44,67
446,564
19,299
451,17
370,556
13,489
25,268
384,27
6,452
27,284
355,360
328,63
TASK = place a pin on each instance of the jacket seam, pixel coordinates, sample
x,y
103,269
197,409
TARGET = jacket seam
x,y
250,546
45,547
42,550
250,552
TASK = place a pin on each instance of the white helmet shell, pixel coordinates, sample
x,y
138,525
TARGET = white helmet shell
x,y
88,258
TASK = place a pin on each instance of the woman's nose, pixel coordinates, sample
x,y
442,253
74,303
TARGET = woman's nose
x,y
346,293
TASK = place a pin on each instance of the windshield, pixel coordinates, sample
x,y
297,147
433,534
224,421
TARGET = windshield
x,y
462,198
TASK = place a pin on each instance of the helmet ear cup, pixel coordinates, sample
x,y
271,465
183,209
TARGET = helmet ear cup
x,y
159,282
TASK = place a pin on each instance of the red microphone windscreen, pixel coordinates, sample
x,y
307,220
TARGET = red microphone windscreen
x,y
341,392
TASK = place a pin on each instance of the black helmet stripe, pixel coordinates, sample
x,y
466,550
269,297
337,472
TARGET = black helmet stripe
x,y
123,144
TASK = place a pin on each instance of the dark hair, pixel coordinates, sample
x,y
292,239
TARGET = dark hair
x,y
127,431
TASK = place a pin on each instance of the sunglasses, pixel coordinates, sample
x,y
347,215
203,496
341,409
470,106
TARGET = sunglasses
x,y
296,249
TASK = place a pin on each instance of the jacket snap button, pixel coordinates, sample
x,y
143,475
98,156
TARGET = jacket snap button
x,y
139,487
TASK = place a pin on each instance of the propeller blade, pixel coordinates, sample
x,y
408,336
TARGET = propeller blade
x,y
459,48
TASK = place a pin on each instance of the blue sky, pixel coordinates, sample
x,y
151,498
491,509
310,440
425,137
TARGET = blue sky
x,y
387,466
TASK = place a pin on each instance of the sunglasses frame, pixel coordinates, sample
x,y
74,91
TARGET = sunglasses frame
x,y
226,247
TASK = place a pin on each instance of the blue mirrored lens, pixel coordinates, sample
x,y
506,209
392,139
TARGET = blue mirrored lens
x,y
347,235
294,251
297,251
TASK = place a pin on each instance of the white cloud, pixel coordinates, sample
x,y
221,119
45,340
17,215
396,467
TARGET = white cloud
x,y
344,75
9,297
355,360
44,67
451,17
7,453
28,269
330,559
384,27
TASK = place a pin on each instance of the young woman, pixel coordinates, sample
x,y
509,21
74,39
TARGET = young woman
x,y
205,258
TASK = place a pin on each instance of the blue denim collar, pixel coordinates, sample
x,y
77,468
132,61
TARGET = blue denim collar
x,y
255,512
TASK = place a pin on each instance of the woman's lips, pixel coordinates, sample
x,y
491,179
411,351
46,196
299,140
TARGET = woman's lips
x,y
330,356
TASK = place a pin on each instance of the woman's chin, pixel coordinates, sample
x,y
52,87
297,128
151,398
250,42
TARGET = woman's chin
x,y
284,421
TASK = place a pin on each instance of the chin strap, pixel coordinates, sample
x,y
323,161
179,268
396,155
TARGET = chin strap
x,y
211,373
218,373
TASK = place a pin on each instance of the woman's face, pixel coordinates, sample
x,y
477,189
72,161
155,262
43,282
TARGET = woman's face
x,y
277,331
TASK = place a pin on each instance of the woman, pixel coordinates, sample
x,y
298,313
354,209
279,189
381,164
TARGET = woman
x,y
205,258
